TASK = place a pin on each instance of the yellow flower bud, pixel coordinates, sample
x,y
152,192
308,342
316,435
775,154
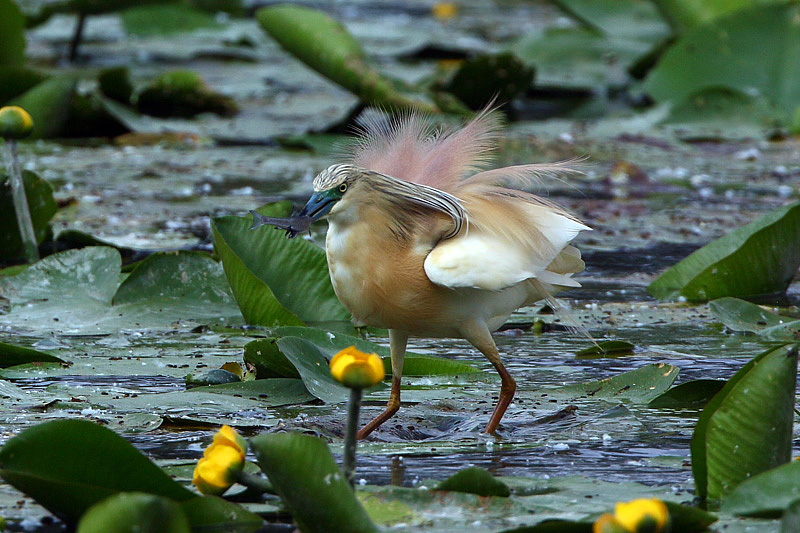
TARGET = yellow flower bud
x,y
606,523
643,516
355,369
221,462
444,10
15,123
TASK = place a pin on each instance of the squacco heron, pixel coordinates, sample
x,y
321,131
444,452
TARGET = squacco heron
x,y
422,242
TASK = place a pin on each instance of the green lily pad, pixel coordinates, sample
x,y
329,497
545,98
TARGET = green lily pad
x,y
637,386
607,348
41,206
69,465
693,394
751,50
126,512
767,494
268,359
15,80
414,364
12,34
302,470
740,315
684,14
474,480
165,19
746,428
791,518
11,355
276,281
274,392
752,261
312,364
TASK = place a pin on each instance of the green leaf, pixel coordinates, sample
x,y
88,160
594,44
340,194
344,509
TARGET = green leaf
x,y
216,376
637,386
269,392
69,465
791,518
276,281
48,104
312,364
767,494
751,50
174,284
688,519
326,46
15,80
268,359
740,315
482,79
310,483
607,348
165,19
474,480
41,205
754,260
747,427
684,14
211,513
690,395
11,355
12,34
134,512
414,364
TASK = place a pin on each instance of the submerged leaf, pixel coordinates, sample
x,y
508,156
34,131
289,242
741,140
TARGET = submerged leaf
x,y
753,261
747,427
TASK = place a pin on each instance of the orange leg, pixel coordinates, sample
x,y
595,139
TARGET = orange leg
x,y
478,334
397,346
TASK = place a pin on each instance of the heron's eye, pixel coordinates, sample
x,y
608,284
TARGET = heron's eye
x,y
343,188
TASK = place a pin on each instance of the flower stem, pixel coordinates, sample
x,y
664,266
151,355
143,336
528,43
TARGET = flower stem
x,y
349,459
21,203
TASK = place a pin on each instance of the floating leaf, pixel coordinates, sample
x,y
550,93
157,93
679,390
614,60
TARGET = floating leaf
x,y
165,19
414,364
684,14
747,427
752,261
12,34
11,355
302,470
216,376
312,364
791,518
41,205
751,50
69,465
693,394
276,281
740,315
326,46
126,512
487,77
474,480
607,348
270,392
637,386
268,359
212,513
767,494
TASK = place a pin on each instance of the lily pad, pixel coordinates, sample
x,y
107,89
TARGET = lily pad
x,y
746,429
11,355
693,394
767,494
740,315
607,348
41,206
165,19
755,260
474,480
302,470
752,50
312,364
12,34
48,104
637,386
134,511
276,281
69,465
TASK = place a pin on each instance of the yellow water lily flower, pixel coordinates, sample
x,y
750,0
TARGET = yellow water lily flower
x,y
606,523
645,515
356,369
15,122
444,10
221,463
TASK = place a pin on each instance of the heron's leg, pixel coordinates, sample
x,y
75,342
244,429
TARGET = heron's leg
x,y
478,334
397,346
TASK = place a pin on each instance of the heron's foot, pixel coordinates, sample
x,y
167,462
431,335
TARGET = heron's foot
x,y
388,413
507,390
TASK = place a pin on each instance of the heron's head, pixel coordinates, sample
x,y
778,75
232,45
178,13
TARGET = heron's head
x,y
330,186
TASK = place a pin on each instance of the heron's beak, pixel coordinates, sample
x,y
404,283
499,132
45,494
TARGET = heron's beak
x,y
318,205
